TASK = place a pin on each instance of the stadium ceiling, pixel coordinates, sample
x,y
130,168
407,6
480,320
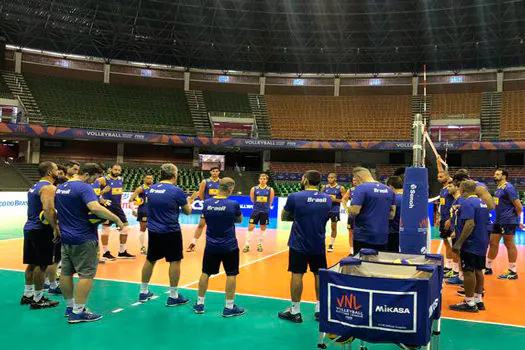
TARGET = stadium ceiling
x,y
299,36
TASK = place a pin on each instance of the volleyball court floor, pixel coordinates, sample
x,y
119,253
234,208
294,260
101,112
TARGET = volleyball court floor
x,y
262,287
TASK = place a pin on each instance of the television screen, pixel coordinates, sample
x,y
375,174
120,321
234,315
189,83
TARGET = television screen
x,y
208,161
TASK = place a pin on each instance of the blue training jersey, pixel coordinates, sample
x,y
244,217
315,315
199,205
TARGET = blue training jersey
x,y
445,203
335,193
372,222
505,210
143,207
309,209
164,202
212,189
220,214
115,194
34,206
394,223
96,187
473,208
454,214
71,201
262,199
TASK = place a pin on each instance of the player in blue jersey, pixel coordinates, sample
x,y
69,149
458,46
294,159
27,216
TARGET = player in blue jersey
x,y
165,202
445,202
262,198
309,210
112,188
40,230
396,184
208,188
508,212
373,206
351,220
140,199
472,245
77,207
337,192
221,214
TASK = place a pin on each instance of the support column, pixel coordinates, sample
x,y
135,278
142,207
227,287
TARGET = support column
x,y
337,86
266,160
18,61
196,157
107,71
34,148
120,153
262,85
415,83
186,81
499,81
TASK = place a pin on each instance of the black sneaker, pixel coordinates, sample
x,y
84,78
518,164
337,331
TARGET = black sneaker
x,y
26,300
107,255
461,292
488,272
287,315
446,269
43,303
463,307
126,255
481,306
317,316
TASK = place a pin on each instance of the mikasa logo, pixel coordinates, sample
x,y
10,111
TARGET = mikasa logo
x,y
391,309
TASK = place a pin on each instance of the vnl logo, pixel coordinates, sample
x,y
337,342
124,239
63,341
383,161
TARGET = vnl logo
x,y
348,301
348,307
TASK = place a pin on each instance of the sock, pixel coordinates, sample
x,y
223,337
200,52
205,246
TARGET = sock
x,y
512,267
461,275
105,249
174,292
53,285
455,267
489,263
470,301
144,288
142,237
260,239
478,298
449,263
70,303
247,241
122,247
194,241
317,306
38,295
229,304
78,308
200,300
29,290
46,281
332,240
296,308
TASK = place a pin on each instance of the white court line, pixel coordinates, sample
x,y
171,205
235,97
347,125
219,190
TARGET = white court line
x,y
10,239
136,304
440,247
117,311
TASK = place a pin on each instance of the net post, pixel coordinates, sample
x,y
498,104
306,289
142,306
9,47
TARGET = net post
x,y
417,147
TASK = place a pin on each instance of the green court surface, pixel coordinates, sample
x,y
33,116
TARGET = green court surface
x,y
154,326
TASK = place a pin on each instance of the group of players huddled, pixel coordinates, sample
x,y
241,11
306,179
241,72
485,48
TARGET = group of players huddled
x,y
66,206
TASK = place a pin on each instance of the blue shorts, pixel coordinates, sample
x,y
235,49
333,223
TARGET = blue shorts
x,y
117,210
505,229
142,216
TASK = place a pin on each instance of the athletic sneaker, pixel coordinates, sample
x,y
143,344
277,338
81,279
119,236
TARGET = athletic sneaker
x,y
144,297
191,248
107,255
508,275
26,300
446,269
259,248
126,255
464,307
55,291
330,248
198,309
46,286
85,316
461,292
69,311
488,272
102,261
235,311
143,251
288,316
455,281
177,301
43,303
450,274
246,249
317,316
481,306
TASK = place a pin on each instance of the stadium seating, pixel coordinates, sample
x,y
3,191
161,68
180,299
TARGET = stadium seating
x,y
4,89
300,168
349,118
464,106
227,102
81,103
513,116
189,178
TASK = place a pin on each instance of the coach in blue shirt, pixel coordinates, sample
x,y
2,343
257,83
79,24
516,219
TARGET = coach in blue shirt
x,y
309,211
165,201
78,209
373,205
221,214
